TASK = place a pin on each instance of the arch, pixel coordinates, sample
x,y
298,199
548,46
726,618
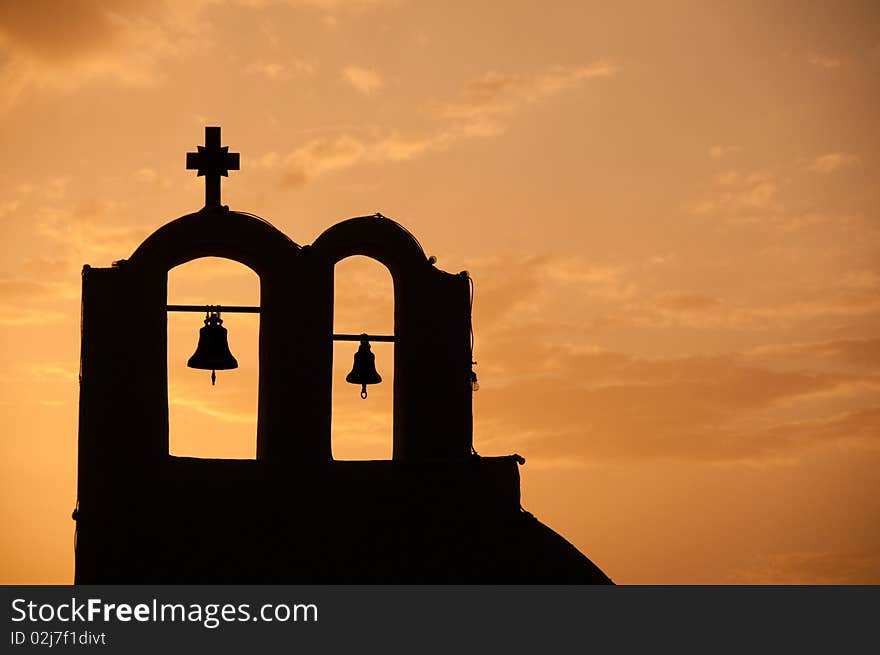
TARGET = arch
x,y
363,302
431,325
245,238
377,237
207,421
277,261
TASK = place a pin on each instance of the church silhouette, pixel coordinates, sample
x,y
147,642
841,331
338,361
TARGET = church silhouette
x,y
435,513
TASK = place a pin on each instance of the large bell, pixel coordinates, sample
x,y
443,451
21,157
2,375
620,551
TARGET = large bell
x,y
212,353
364,370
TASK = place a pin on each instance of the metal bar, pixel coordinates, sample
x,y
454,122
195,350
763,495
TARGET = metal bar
x,y
368,337
240,309
230,309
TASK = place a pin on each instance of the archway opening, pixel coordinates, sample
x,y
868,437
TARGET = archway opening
x,y
204,420
363,302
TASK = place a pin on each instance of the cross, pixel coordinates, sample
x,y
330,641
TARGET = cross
x,y
212,161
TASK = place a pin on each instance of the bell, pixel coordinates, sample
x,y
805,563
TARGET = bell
x,y
212,353
364,370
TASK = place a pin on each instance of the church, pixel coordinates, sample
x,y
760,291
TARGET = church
x,y
436,513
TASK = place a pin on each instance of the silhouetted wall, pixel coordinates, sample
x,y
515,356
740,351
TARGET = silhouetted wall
x,y
433,513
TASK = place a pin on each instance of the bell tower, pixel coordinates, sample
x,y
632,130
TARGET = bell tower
x,y
436,512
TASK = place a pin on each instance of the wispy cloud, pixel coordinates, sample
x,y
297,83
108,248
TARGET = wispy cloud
x,y
686,302
807,567
211,409
332,153
17,316
583,406
90,229
279,71
124,42
479,112
827,62
717,152
566,401
33,301
59,46
54,371
735,191
495,93
850,352
834,161
341,5
16,288
362,80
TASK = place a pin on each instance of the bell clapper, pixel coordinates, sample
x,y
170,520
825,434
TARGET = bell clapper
x,y
364,392
213,378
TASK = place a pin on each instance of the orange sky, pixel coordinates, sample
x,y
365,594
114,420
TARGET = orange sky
x,y
670,211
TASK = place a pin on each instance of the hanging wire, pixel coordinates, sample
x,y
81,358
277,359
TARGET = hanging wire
x,y
75,514
475,386
473,377
269,223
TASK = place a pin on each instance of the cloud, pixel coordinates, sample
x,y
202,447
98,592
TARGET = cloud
x,y
580,406
833,161
60,46
328,154
837,304
496,93
18,288
736,192
787,223
811,568
27,316
340,5
88,228
850,352
715,314
564,401
281,71
210,409
33,27
23,301
824,61
774,201
9,207
321,156
686,302
477,113
363,297
523,290
362,80
864,280
53,371
717,152
49,267
151,178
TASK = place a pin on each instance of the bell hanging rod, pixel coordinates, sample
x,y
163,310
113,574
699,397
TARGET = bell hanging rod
x,y
224,309
244,309
364,337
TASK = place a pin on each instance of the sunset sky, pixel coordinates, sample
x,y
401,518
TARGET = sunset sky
x,y
671,212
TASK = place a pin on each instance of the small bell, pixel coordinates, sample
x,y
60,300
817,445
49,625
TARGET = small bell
x,y
212,353
364,370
